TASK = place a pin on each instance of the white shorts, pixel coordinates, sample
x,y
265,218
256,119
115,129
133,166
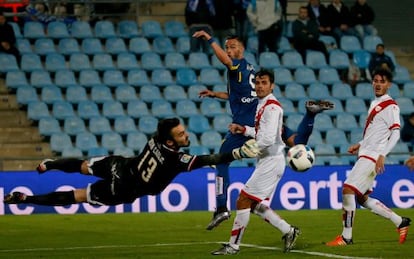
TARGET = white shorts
x,y
362,176
262,183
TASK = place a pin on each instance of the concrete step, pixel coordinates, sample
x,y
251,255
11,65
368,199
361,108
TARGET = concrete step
x,y
19,164
13,118
20,135
8,102
25,150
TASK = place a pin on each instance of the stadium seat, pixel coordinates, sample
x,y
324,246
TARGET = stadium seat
x,y
31,62
349,43
102,62
174,61
124,151
151,61
284,45
210,107
323,122
269,60
336,138
342,91
356,135
62,109
8,63
55,62
26,95
50,94
198,124
101,94
124,125
288,107
115,46
163,45
85,141
40,79
346,122
87,109
24,46
136,140
405,104
210,77
355,106
216,63
92,46
370,42
318,91
293,121
211,139
89,78
174,29
186,77
186,108
104,29
183,45
292,60
99,125
339,59
139,45
68,46
150,93
73,125
137,77
125,93
305,76
329,41
361,58
194,92
329,76
126,62
33,30
112,141
315,138
147,124
44,46
400,147
81,30
127,29
362,120
57,30
112,109
394,91
251,58
60,141
16,29
364,91
79,62
161,77
401,75
72,152
339,108
199,150
37,111
252,44
76,94
295,91
221,122
174,93
97,152
113,78
49,126
283,76
162,109
151,29
16,79
408,89
65,78
198,60
315,59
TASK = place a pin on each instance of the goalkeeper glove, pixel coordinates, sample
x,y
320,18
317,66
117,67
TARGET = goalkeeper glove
x,y
248,150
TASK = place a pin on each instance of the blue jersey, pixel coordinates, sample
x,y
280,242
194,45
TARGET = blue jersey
x,y
241,90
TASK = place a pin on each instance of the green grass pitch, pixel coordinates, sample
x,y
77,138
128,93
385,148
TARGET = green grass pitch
x,y
183,235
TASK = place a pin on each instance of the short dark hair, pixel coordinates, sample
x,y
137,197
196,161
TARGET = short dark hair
x,y
380,45
164,129
234,37
266,72
383,72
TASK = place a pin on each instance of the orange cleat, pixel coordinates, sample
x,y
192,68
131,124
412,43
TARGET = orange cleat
x,y
339,241
403,229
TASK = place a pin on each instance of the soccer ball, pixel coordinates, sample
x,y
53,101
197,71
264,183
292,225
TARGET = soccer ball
x,y
300,158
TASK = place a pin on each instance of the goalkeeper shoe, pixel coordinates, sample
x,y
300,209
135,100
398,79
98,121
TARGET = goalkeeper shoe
x,y
290,238
403,229
340,241
227,249
14,198
42,167
218,217
319,106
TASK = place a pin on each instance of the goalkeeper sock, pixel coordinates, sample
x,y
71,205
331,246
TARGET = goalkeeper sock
x,y
68,165
380,209
239,226
272,218
305,128
348,216
53,198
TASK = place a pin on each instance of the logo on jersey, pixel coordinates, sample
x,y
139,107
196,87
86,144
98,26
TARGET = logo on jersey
x,y
378,108
185,158
247,99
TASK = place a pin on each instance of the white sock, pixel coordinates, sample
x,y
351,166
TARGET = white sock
x,y
380,209
239,226
349,208
272,218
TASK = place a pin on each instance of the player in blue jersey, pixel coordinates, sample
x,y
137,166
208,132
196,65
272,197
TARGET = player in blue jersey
x,y
243,102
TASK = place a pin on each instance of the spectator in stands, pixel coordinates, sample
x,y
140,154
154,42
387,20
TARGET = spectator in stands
x,y
40,13
362,17
319,13
223,23
306,34
7,38
339,18
266,17
407,132
241,21
380,60
199,15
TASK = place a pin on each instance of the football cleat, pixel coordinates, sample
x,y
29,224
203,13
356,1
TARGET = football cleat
x,y
340,241
290,238
42,167
14,198
227,249
403,229
319,106
218,217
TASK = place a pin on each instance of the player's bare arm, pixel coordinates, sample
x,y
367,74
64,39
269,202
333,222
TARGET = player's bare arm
x,y
220,53
212,94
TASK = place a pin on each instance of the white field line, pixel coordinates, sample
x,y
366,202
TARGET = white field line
x,y
176,244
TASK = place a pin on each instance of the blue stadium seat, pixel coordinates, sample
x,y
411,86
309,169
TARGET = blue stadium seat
x,y
124,125
323,122
329,41
315,138
370,42
408,89
73,125
115,46
162,109
50,94
85,141
174,61
44,46
174,93
183,45
295,91
37,111
72,152
193,139
127,29
148,124
336,138
251,58
174,29
394,91
26,95
137,77
305,76
293,121
89,78
401,75
101,94
113,78
55,62
65,78
283,76
324,149
81,30
199,150
315,59
186,77
68,46
210,77
112,141
163,45
186,108
288,106
49,126
16,79
361,58
364,91
339,108
211,139
151,29
198,60
40,79
125,93
284,45
329,76
92,46
346,122
210,107
126,61
362,120
318,91
60,141
405,104
79,62
151,61
356,135
339,59
87,109
392,56
112,109
355,106
342,91
24,46
139,45
198,124
161,77
99,125
292,60
400,147
31,62
57,30
194,92
102,62
104,29
136,140
16,30
150,93
269,60
62,109
216,63
124,151
97,152
221,122
349,43
252,44
8,63
33,30
76,94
